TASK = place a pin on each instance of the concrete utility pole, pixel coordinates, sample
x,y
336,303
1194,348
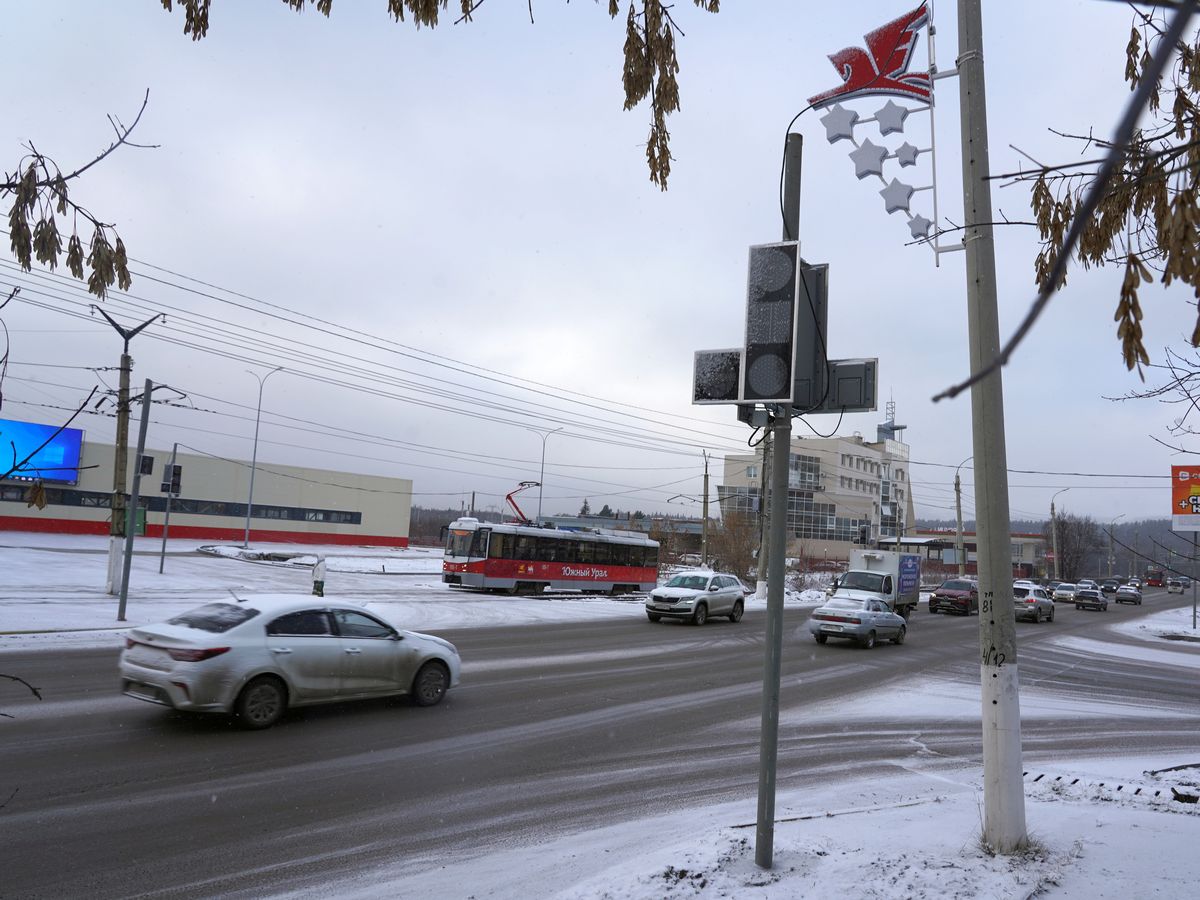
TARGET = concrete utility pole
x,y
1111,546
704,527
958,542
1054,535
781,437
131,520
1003,789
116,530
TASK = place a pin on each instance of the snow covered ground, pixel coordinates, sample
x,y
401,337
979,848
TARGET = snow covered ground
x,y
1101,828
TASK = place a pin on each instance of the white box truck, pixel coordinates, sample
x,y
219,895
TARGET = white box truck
x,y
886,575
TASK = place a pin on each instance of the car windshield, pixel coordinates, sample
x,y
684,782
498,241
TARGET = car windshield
x,y
845,603
957,586
691,582
862,581
215,617
1066,586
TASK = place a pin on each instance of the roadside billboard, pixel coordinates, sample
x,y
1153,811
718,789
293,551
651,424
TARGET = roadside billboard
x,y
1185,498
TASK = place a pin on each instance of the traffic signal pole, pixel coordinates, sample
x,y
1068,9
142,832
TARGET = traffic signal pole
x,y
162,556
781,439
1003,787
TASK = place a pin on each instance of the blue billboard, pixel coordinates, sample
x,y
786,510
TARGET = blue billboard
x,y
57,461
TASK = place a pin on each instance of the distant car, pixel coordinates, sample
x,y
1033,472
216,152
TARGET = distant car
x,y
1110,585
1090,598
1127,593
696,596
1174,585
257,658
1135,582
1064,591
864,620
1087,583
1052,586
955,595
1032,603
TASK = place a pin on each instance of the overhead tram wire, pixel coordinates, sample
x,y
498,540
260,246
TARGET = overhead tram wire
x,y
297,358
71,285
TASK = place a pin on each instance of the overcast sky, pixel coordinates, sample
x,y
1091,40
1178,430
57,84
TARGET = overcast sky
x,y
448,237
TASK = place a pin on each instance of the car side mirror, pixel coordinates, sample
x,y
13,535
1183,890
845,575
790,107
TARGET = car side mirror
x,y
714,587
396,636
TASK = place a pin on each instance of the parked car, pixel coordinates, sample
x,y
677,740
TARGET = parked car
x,y
1032,603
697,595
1127,593
1174,585
259,657
1064,591
1110,585
1090,598
864,620
955,595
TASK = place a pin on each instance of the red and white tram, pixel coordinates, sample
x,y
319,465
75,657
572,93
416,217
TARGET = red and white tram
x,y
527,559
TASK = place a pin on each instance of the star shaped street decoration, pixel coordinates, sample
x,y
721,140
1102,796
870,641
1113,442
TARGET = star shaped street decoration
x,y
896,196
919,226
891,118
868,159
839,123
907,154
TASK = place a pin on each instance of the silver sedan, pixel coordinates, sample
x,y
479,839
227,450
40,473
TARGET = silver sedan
x,y
258,657
862,620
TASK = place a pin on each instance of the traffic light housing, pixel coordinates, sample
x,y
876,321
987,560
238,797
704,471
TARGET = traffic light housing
x,y
172,478
771,299
716,375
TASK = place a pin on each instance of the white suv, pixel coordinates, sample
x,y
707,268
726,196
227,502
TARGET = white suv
x,y
695,596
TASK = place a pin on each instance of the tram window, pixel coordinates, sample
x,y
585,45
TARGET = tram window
x,y
585,552
497,545
525,547
603,554
479,542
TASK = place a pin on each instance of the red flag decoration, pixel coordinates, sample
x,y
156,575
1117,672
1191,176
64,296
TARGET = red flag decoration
x,y
883,67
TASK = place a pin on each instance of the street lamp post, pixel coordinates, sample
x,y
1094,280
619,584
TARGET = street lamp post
x,y
1110,542
958,543
254,454
1054,535
542,477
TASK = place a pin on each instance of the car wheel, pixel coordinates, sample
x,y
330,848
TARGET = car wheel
x,y
261,703
1051,619
869,641
1038,618
821,638
1078,606
738,609
431,684
653,617
899,638
700,616
932,608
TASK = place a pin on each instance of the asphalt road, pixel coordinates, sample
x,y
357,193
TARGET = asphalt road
x,y
555,728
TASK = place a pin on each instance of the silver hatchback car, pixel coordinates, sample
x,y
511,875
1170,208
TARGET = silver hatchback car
x,y
258,657
696,596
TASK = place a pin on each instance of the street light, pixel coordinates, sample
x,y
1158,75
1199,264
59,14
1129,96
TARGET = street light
x,y
1054,534
958,543
543,435
1110,542
254,455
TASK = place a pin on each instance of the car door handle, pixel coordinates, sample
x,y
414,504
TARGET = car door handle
x,y
281,650
353,650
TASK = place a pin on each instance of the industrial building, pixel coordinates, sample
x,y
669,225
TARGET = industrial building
x,y
291,504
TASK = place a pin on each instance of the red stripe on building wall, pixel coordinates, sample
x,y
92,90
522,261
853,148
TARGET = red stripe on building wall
x,y
199,532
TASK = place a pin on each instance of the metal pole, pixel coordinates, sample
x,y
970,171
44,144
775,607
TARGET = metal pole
x,y
162,555
1003,791
1193,581
254,454
760,589
133,501
704,527
781,439
768,754
958,542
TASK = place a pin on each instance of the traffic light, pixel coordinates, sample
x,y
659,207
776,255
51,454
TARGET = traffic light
x,y
171,485
809,353
715,376
771,298
147,465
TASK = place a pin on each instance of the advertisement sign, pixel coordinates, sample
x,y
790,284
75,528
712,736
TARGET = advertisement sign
x,y
910,573
57,460
1185,498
